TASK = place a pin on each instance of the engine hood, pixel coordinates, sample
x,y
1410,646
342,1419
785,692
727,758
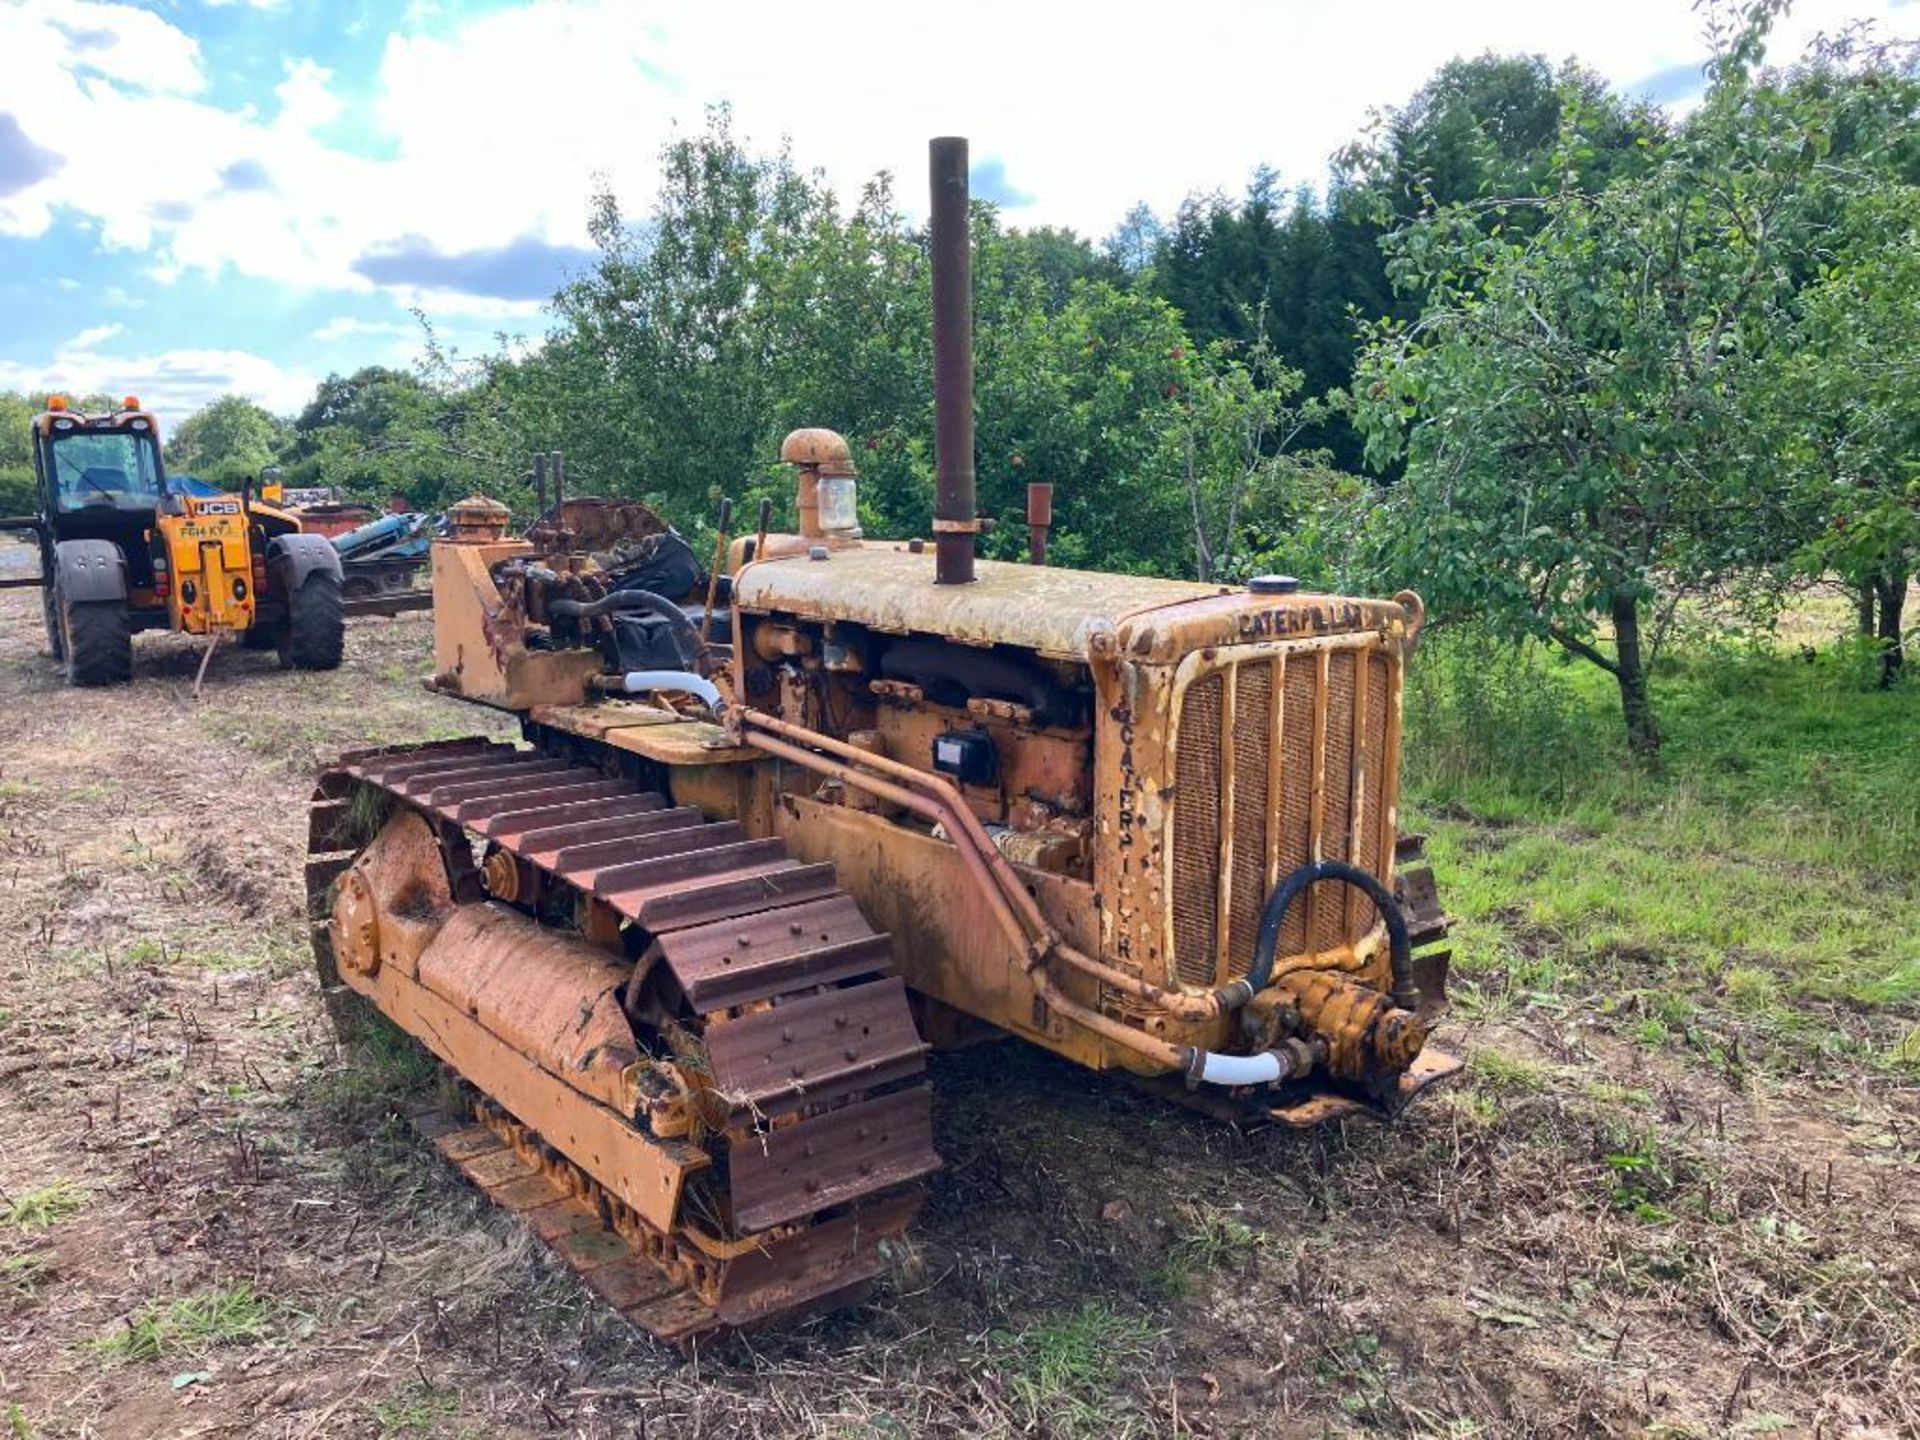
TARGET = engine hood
x,y
1054,612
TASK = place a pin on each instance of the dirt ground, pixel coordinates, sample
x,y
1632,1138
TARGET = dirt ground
x,y
208,1226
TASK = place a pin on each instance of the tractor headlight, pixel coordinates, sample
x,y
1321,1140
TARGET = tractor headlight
x,y
239,588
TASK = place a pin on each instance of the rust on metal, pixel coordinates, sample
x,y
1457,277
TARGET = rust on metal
x,y
512,827
677,953
951,227
886,586
793,1170
815,1048
727,965
548,1024
1039,520
1054,612
1323,1108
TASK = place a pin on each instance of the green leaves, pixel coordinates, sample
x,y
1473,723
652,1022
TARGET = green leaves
x,y
228,440
1591,412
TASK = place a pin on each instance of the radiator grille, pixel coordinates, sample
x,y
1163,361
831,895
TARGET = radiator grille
x,y
1252,744
1197,816
1248,735
1328,903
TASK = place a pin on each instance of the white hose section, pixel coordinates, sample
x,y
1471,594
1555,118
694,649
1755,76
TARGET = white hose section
x,y
1261,1069
636,682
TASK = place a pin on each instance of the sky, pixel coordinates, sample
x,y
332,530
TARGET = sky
x,y
208,196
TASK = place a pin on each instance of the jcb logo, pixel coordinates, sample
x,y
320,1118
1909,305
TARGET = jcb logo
x,y
217,507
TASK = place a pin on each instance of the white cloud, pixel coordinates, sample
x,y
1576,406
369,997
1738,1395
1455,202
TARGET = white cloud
x,y
93,338
305,101
501,122
343,327
173,383
122,43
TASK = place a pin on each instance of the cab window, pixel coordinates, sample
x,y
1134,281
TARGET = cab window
x,y
100,471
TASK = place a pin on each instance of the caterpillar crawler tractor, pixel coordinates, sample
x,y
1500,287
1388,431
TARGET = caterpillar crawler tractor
x,y
688,945
122,551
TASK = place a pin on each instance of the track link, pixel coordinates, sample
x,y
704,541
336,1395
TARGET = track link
x,y
813,1125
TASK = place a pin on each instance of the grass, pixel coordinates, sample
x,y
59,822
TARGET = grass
x,y
1062,1371
386,1065
1761,878
44,1207
1510,1074
420,1409
26,1275
273,956
1207,1238
191,1325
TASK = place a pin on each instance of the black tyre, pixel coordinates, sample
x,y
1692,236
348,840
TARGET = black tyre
x,y
315,634
360,587
99,642
260,637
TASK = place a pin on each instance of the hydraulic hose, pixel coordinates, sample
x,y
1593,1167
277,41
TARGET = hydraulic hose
x,y
637,682
1212,1068
686,635
1406,993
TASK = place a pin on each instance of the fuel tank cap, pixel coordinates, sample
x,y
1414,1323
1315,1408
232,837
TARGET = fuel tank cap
x,y
1273,585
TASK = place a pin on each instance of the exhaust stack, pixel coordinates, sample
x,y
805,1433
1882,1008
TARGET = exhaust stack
x,y
1039,519
954,520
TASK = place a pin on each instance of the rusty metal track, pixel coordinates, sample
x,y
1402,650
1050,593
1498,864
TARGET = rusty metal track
x,y
817,1121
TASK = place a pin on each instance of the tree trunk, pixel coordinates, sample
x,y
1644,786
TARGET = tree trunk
x,y
1643,735
1893,599
1866,601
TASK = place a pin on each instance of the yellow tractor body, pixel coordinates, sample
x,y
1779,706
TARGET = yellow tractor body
x,y
777,831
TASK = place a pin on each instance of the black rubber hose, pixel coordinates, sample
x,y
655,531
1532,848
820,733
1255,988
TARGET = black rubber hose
x,y
687,634
1406,994
632,600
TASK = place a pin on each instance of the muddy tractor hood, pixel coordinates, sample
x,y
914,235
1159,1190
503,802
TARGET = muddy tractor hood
x,y
1054,612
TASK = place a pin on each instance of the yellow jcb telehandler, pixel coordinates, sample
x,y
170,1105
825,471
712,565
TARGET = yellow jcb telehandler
x,y
122,549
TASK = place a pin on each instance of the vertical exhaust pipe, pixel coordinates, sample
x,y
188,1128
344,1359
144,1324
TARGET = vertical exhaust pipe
x,y
954,521
1039,519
